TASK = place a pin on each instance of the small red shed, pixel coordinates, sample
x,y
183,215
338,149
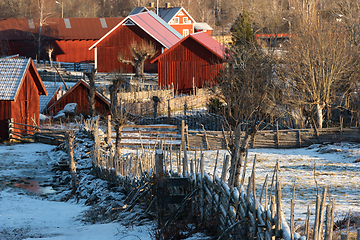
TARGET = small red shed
x,y
139,27
78,94
192,62
20,87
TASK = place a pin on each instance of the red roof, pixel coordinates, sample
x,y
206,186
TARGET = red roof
x,y
151,24
205,40
58,28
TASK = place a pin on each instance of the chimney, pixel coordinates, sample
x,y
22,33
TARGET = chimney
x,y
152,5
167,5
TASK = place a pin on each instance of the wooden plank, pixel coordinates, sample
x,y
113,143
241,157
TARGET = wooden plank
x,y
152,126
152,132
148,138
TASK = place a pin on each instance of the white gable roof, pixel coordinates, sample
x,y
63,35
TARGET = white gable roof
x,y
12,72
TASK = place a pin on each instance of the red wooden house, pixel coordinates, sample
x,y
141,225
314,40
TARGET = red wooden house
x,y
176,17
70,38
20,87
78,94
192,62
146,26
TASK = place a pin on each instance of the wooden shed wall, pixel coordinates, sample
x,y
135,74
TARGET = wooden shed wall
x,y
73,50
23,109
119,42
187,61
79,95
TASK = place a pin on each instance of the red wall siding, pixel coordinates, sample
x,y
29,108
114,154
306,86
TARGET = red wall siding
x,y
187,61
64,50
23,109
119,42
79,96
73,50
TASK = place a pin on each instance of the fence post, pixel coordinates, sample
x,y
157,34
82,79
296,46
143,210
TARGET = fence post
x,y
224,169
299,137
10,123
182,135
169,111
277,135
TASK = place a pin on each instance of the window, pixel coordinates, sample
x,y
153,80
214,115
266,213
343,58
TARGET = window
x,y
176,20
185,20
185,32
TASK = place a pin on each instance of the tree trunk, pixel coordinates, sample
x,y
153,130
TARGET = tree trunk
x,y
139,68
117,141
91,96
319,112
241,157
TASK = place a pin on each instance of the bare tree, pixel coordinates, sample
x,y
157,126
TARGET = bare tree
x,y
44,12
319,63
248,88
140,52
117,116
91,96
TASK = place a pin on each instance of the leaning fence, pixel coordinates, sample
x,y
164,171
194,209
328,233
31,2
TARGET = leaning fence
x,y
170,181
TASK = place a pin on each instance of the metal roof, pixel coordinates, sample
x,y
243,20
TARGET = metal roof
x,y
137,10
12,72
204,39
153,25
202,26
57,28
52,89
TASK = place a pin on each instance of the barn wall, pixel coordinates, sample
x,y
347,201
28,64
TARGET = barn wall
x,y
187,61
64,50
73,50
79,95
119,42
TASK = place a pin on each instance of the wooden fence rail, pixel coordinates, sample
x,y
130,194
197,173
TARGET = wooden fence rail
x,y
239,213
31,133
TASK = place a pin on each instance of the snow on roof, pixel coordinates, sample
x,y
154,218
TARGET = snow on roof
x,y
52,89
12,72
202,26
151,24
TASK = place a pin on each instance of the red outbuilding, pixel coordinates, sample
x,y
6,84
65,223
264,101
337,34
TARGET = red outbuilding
x,y
20,87
70,38
78,94
192,62
146,26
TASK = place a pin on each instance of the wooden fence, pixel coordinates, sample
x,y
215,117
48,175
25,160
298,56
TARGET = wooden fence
x,y
31,133
237,213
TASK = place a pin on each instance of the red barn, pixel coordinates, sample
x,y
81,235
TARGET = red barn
x,y
20,87
192,62
143,26
78,94
70,38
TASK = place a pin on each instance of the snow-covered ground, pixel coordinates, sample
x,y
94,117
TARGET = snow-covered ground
x,y
28,214
38,213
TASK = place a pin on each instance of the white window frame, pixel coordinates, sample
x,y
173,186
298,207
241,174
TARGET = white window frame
x,y
176,20
185,20
186,32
